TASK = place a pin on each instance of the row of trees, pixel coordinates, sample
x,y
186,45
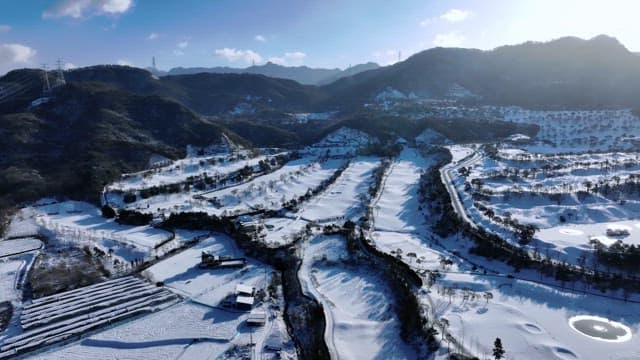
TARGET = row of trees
x,y
204,181
619,255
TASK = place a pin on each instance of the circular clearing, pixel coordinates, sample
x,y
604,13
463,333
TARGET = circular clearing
x,y
600,328
565,353
532,328
571,232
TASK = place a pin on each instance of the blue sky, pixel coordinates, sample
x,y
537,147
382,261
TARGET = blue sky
x,y
323,33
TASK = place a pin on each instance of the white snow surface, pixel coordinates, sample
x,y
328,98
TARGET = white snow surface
x,y
532,320
361,322
167,334
394,210
343,199
14,246
9,271
209,286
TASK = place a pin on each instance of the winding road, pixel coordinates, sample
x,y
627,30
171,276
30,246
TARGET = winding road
x,y
447,179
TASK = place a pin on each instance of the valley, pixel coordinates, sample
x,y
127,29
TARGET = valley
x,y
237,216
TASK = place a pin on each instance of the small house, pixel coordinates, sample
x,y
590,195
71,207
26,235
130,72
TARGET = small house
x,y
244,302
257,318
246,290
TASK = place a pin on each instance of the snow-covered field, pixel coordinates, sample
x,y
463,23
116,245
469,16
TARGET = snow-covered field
x,y
179,170
9,271
268,191
343,199
395,210
281,231
578,235
272,190
361,322
167,334
571,198
58,317
182,274
15,246
531,320
363,318
212,287
82,223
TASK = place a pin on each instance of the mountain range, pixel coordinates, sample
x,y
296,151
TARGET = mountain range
x,y
302,74
564,73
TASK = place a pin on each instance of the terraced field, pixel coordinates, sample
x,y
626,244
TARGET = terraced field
x,y
69,314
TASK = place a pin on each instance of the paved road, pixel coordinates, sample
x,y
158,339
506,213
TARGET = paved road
x,y
446,174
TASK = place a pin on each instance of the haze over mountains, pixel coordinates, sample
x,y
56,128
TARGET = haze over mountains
x,y
114,116
302,74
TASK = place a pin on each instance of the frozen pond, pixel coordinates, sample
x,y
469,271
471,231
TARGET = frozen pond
x,y
600,328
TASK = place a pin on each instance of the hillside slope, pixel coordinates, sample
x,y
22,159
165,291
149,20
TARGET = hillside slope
x,y
88,135
564,73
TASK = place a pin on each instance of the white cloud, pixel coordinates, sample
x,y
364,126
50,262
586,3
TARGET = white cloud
x,y
183,44
234,55
452,39
453,15
178,52
124,63
4,28
278,60
69,66
16,53
153,36
83,8
13,55
260,38
115,6
296,55
456,15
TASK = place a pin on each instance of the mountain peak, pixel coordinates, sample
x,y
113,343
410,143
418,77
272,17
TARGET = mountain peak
x,y
607,41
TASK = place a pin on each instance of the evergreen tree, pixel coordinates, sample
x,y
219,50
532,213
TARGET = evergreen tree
x,y
498,351
108,212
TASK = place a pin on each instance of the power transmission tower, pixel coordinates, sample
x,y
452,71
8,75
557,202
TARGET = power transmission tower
x,y
399,55
46,87
153,62
60,78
